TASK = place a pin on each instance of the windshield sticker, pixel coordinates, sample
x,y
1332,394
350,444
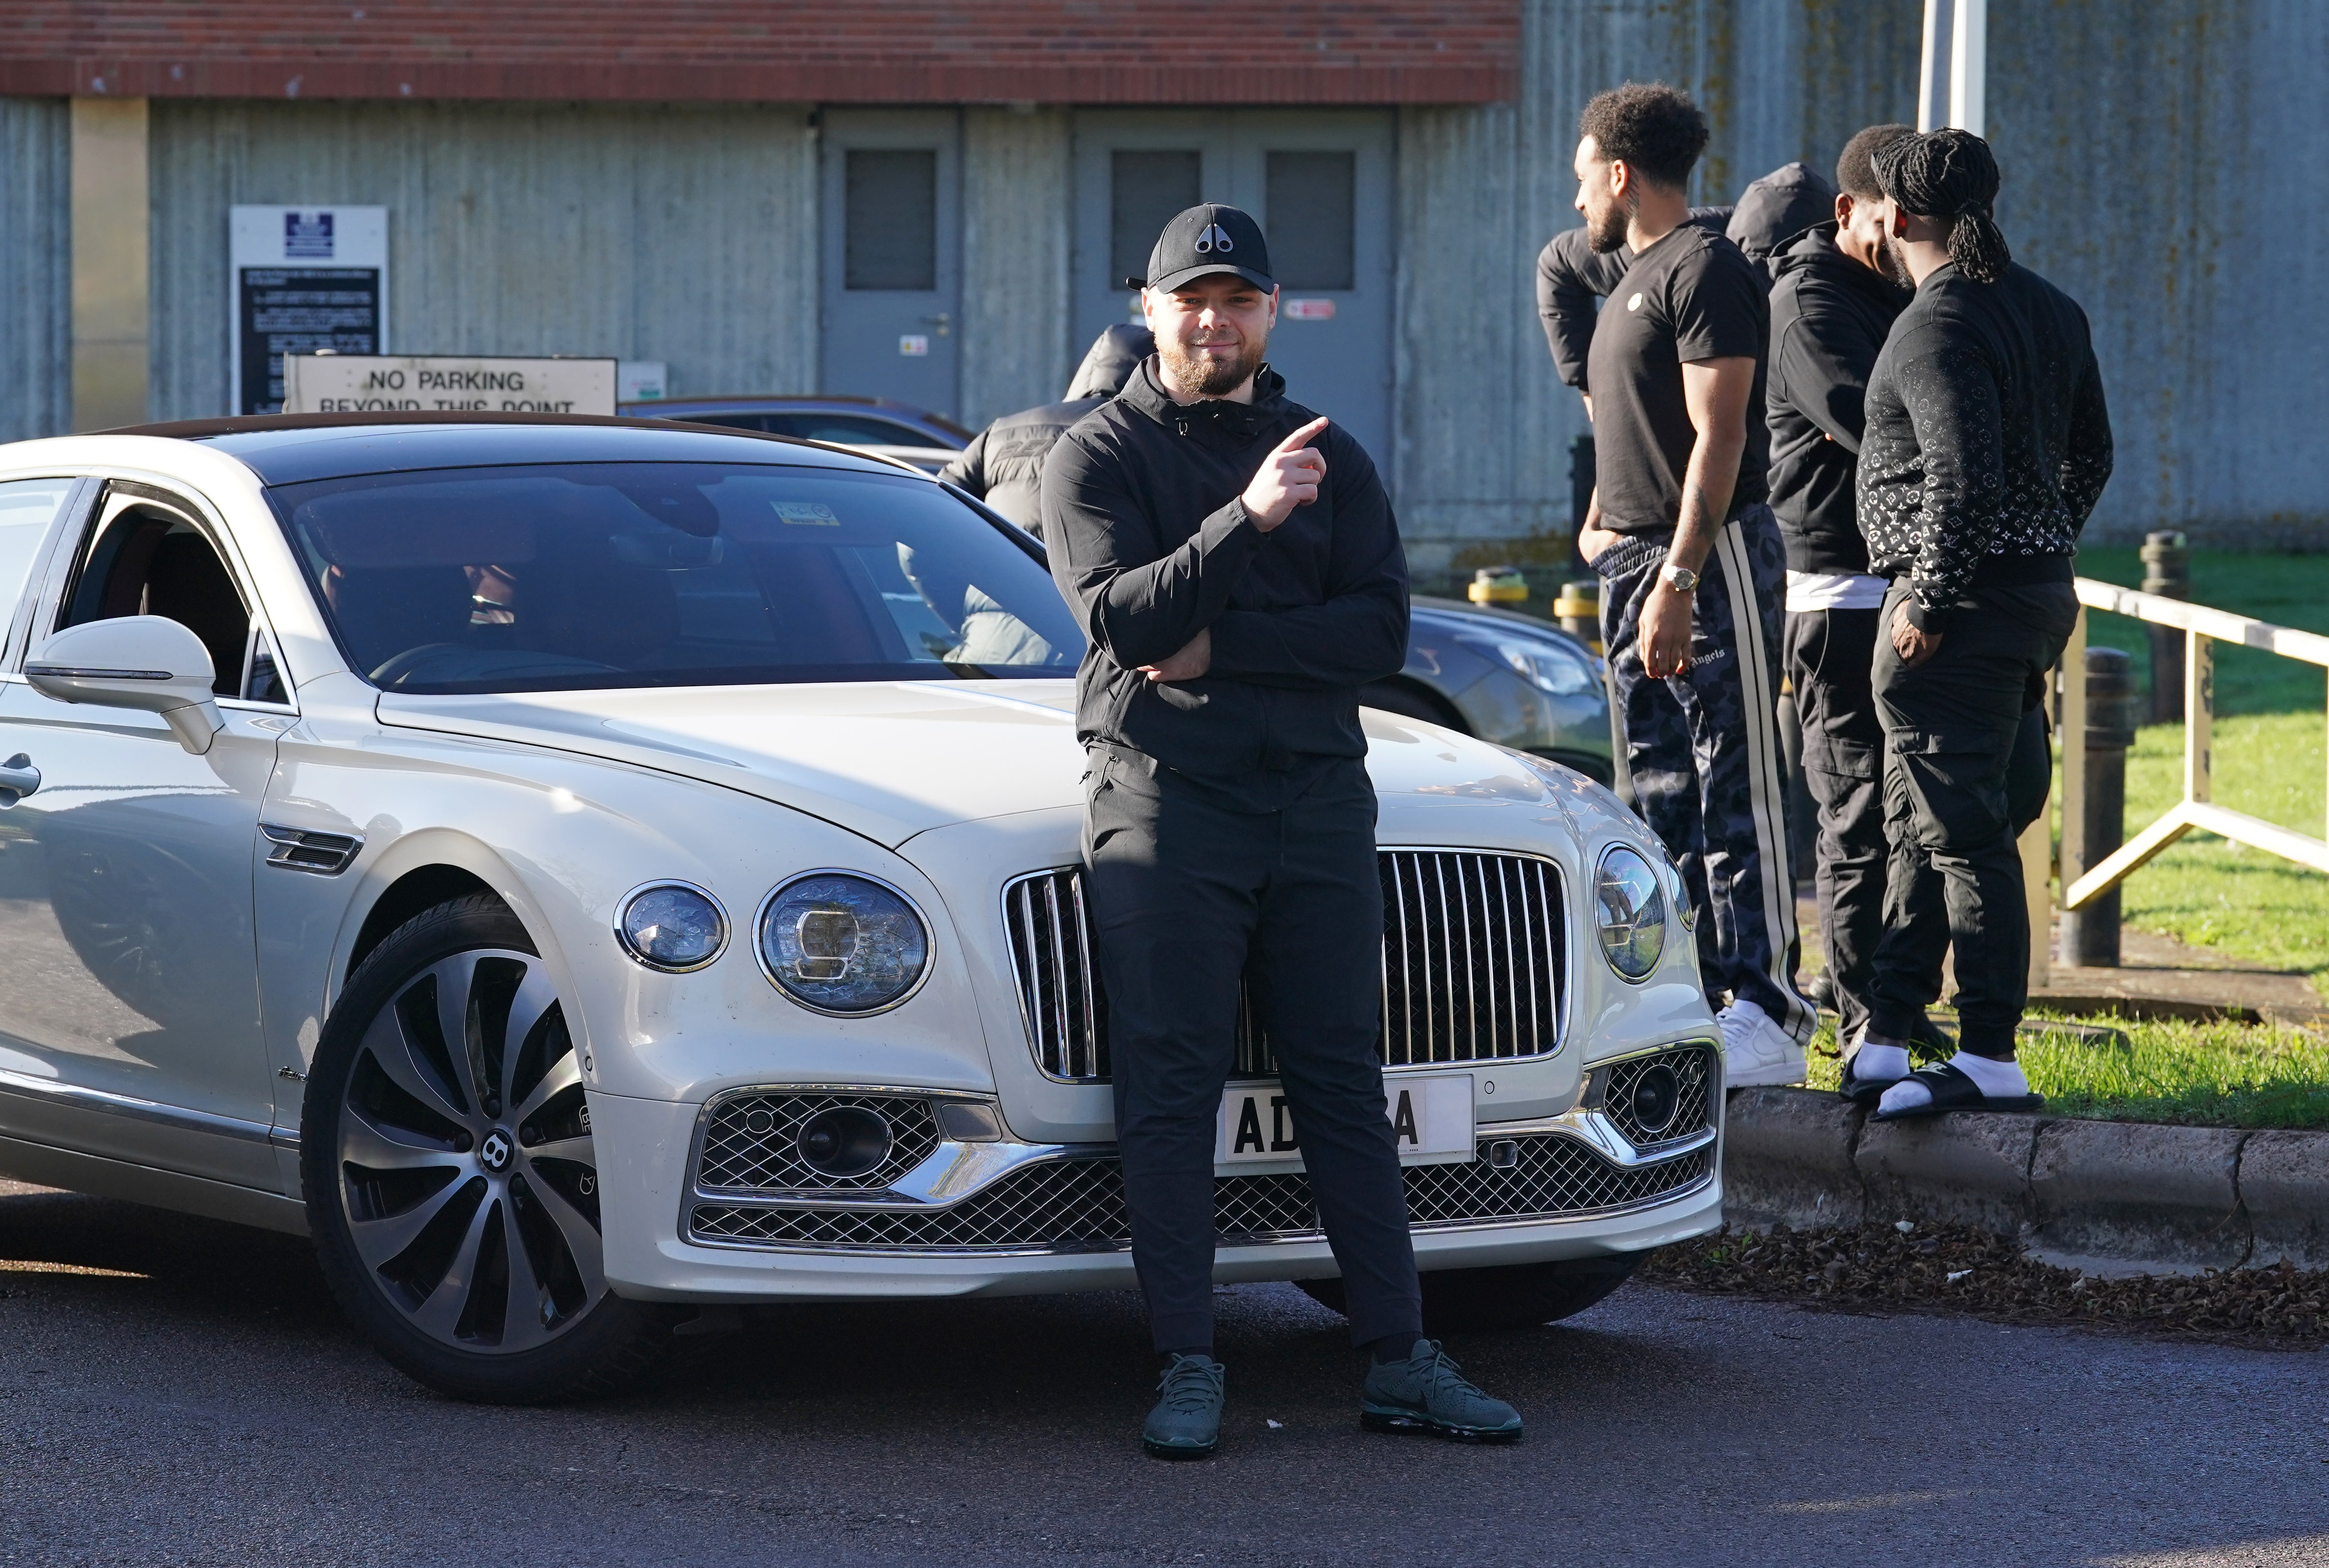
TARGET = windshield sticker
x,y
806,513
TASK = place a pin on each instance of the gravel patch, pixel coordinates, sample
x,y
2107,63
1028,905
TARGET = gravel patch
x,y
1964,1269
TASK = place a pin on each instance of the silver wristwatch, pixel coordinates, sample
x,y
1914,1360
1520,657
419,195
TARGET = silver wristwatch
x,y
1680,579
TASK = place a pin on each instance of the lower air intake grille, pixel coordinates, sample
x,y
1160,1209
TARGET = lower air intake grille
x,y
1078,1205
751,1141
1472,956
1693,1070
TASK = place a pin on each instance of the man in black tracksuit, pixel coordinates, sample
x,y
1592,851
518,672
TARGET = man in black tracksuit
x,y
1834,301
1004,463
1236,563
1986,445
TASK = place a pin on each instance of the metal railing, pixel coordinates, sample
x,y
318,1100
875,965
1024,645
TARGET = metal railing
x,y
2202,629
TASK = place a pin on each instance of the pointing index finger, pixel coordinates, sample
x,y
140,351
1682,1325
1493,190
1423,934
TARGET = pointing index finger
x,y
1305,436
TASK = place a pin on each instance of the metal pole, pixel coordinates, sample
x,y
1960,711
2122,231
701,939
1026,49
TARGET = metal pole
x,y
1952,75
2090,935
2167,572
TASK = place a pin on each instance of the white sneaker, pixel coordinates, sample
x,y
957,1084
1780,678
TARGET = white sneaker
x,y
1755,1049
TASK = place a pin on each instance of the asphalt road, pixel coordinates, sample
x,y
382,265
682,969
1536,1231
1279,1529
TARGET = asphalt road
x,y
173,1391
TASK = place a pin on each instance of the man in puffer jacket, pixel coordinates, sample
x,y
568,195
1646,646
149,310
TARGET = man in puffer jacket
x,y
1004,463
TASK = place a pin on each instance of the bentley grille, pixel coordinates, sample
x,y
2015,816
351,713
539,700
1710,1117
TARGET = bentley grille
x,y
1474,945
1078,1204
751,1141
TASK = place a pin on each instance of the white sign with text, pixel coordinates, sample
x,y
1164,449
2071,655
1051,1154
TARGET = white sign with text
x,y
431,383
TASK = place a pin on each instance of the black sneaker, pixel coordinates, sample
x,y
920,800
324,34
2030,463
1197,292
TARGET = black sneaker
x,y
1187,1424
1426,1393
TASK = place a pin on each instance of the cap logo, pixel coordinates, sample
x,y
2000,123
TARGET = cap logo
x,y
1214,239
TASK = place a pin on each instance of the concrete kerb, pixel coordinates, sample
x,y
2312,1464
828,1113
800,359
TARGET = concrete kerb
x,y
2105,1197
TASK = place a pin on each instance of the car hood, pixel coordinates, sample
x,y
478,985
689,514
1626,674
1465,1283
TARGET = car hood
x,y
892,759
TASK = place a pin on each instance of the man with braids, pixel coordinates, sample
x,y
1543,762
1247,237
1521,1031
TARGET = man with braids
x,y
1986,446
1691,560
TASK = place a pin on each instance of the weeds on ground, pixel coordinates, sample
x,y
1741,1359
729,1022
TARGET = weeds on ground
x,y
2222,1075
1959,1268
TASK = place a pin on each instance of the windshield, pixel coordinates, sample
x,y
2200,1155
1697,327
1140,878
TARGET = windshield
x,y
582,576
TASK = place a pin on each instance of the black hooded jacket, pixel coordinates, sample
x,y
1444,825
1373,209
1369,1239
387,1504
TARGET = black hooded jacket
x,y
1004,463
1775,209
1829,316
1150,543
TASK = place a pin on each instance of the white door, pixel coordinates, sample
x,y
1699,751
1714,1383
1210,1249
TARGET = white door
x,y
892,255
129,1003
1319,183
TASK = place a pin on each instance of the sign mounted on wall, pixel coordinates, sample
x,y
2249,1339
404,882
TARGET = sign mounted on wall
x,y
306,279
335,383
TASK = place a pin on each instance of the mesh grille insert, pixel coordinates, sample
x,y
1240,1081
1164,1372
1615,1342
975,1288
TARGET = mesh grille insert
x,y
1693,1067
750,1143
1079,1204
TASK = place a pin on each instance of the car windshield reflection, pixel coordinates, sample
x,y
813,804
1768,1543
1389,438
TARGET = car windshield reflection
x,y
586,576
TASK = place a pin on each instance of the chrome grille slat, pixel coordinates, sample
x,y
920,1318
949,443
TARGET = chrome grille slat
x,y
1473,965
1078,1205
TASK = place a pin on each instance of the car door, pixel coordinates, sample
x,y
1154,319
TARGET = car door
x,y
129,1004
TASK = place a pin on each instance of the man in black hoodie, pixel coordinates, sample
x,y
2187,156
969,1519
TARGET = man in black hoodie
x,y
1837,292
1004,463
1235,562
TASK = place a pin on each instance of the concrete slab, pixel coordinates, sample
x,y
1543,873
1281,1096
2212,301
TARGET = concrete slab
x,y
2164,1194
1969,1168
2284,1179
1787,1156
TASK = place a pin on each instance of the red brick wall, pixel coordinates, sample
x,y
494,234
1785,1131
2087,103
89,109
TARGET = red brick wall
x,y
829,50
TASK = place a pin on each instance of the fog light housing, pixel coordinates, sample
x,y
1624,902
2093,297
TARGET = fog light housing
x,y
842,1141
671,926
1655,1098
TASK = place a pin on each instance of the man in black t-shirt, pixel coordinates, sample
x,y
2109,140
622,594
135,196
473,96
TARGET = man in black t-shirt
x,y
1691,561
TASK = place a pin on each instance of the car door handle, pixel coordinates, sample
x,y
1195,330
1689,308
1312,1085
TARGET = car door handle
x,y
18,778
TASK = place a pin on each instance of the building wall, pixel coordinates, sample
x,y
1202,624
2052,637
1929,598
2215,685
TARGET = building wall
x,y
1017,228
35,267
2174,182
685,233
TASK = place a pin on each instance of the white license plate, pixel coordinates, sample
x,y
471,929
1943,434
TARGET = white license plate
x,y
1430,1112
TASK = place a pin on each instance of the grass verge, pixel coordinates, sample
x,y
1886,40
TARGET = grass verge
x,y
2195,1074
1959,1269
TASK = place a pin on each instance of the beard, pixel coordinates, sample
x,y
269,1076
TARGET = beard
x,y
1606,230
1203,376
1892,261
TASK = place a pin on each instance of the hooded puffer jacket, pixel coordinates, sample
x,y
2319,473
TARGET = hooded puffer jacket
x,y
1004,463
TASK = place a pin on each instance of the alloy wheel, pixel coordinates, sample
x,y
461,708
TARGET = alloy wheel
x,y
465,1167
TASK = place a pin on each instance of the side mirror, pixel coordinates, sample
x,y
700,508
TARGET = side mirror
x,y
148,662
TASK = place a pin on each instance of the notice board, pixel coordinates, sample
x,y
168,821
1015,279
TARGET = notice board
x,y
305,280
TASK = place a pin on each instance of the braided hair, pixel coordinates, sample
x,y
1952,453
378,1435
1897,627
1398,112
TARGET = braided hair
x,y
1950,177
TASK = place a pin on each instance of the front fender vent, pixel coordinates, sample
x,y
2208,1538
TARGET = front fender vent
x,y
301,849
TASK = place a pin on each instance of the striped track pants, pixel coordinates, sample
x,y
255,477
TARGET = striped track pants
x,y
1703,747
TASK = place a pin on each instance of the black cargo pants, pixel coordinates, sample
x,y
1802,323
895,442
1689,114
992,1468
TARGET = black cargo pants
x,y
1958,765
1190,896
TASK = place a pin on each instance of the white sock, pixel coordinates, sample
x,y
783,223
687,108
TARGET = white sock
x,y
1877,1063
1997,1080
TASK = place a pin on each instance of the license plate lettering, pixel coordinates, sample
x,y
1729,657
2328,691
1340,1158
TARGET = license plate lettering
x,y
1430,1117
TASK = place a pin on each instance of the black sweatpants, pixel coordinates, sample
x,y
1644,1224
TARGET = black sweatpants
x,y
1189,896
1954,729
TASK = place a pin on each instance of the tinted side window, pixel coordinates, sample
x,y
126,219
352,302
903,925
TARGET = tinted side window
x,y
148,559
27,508
849,430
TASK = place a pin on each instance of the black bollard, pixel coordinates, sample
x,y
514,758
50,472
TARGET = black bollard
x,y
2090,935
2167,572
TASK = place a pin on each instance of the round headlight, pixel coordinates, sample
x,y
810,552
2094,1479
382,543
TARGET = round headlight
x,y
1630,907
840,943
1545,665
672,927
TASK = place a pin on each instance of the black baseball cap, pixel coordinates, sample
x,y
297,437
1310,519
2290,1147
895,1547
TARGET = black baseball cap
x,y
1207,240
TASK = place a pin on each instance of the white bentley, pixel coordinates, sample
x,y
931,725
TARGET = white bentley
x,y
591,875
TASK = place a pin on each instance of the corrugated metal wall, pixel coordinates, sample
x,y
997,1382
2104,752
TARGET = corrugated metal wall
x,y
1485,424
686,234
2167,162
35,268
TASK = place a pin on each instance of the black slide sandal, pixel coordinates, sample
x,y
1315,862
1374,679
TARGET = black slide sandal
x,y
1952,1090
1861,1091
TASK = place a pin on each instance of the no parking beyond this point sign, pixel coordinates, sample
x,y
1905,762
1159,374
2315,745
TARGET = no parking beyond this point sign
x,y
416,383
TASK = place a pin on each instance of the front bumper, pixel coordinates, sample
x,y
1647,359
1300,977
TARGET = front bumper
x,y
1013,1218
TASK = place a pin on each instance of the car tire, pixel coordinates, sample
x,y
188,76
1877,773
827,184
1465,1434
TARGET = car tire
x,y
1517,1296
426,1192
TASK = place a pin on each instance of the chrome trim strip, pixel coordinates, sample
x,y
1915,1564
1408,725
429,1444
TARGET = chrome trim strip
x,y
82,1098
76,673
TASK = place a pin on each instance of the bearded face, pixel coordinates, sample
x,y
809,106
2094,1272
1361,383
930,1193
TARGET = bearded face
x,y
1606,214
1211,333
